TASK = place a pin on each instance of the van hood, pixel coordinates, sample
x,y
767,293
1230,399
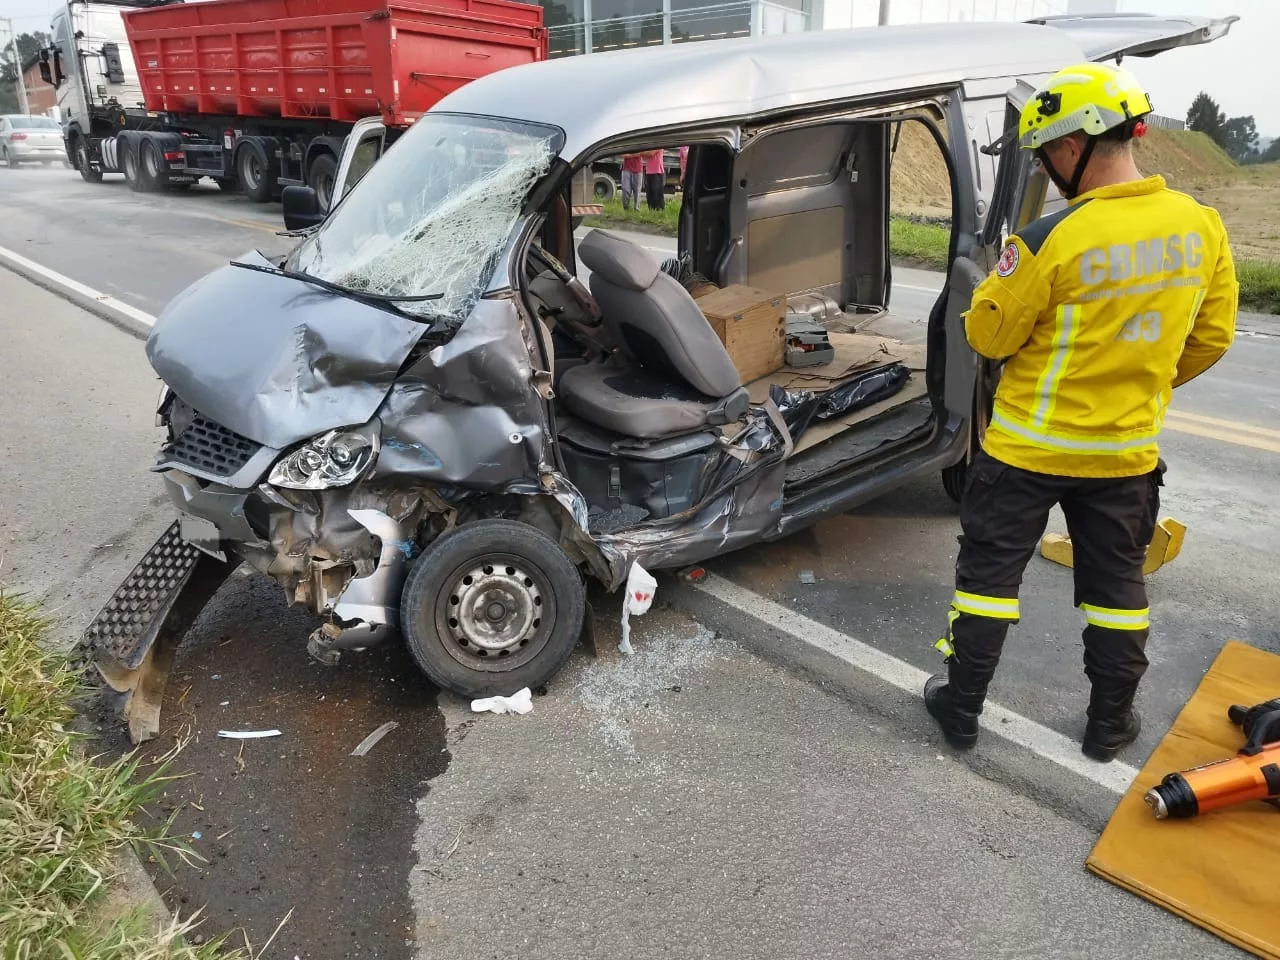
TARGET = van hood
x,y
277,359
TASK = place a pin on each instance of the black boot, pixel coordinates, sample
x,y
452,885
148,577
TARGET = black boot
x,y
956,711
1113,723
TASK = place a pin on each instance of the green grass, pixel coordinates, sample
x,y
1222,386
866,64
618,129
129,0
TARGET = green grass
x,y
1259,285
919,244
65,818
915,244
644,220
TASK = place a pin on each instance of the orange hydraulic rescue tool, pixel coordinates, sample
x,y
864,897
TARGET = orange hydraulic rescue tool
x,y
1252,775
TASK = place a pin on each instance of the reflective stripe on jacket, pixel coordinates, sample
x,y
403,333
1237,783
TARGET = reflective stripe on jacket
x,y
1101,309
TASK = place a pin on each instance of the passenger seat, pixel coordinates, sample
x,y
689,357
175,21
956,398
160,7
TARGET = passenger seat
x,y
674,375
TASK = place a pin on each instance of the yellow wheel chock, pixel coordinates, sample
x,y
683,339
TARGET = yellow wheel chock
x,y
1166,544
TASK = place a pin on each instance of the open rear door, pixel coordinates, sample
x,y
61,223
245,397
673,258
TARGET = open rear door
x,y
1119,35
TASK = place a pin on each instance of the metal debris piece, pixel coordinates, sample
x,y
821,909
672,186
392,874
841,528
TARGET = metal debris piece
x,y
806,576
368,742
247,734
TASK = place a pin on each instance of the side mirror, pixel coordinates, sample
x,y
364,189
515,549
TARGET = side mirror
x,y
45,73
301,207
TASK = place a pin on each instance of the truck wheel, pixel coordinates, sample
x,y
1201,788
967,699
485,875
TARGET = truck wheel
x,y
129,166
491,607
603,187
255,172
88,172
953,479
151,169
323,172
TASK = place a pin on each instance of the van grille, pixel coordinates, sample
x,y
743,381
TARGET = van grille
x,y
209,447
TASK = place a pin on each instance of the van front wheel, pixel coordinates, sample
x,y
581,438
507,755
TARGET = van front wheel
x,y
491,607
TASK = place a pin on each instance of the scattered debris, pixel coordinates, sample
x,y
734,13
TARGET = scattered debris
x,y
247,734
195,835
694,574
217,676
640,589
806,576
225,703
519,702
371,740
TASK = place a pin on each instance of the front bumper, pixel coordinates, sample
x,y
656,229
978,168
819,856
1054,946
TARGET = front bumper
x,y
313,545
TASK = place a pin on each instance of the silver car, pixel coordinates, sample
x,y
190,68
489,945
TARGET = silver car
x,y
30,139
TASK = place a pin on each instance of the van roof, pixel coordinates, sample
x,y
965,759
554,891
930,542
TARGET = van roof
x,y
601,96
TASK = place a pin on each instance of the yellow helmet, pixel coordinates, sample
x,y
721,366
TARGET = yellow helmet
x,y
1090,98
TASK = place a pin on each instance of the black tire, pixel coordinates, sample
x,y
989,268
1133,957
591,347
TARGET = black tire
x,y
253,170
321,176
88,172
954,478
128,157
537,593
152,171
603,187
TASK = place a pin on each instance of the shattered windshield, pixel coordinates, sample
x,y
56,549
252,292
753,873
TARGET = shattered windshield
x,y
430,219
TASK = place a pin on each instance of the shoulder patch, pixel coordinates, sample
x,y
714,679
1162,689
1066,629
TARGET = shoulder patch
x,y
1008,261
1034,235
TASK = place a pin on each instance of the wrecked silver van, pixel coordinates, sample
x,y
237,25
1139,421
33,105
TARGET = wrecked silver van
x,y
422,423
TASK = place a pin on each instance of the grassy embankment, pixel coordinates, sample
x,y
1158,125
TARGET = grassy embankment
x,y
1247,197
65,819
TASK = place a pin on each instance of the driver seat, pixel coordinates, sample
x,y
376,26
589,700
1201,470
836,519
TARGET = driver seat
x,y
675,375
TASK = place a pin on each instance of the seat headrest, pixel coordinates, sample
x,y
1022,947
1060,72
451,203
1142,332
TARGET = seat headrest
x,y
621,262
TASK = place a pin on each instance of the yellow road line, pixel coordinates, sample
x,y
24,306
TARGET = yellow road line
x,y
1219,433
1225,424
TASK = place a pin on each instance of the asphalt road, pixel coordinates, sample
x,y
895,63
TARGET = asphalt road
x,y
695,799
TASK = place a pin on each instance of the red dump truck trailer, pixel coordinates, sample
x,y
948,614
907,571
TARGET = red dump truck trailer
x,y
260,94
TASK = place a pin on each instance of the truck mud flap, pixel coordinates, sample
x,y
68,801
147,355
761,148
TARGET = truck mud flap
x,y
133,638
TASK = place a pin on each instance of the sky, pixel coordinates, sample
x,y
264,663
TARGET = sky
x,y
1173,78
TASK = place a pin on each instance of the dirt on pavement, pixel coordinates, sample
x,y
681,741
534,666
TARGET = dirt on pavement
x,y
293,822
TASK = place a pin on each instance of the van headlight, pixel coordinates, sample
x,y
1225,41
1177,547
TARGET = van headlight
x,y
333,460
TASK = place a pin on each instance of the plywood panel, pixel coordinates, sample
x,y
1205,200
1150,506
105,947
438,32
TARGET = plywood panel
x,y
796,251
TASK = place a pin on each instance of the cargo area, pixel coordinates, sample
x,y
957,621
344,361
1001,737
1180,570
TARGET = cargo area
x,y
324,59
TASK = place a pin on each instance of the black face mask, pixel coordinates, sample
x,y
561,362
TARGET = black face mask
x,y
1072,188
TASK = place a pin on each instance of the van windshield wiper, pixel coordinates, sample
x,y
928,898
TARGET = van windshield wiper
x,y
381,298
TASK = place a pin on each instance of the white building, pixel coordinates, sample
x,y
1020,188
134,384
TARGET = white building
x,y
839,14
1093,6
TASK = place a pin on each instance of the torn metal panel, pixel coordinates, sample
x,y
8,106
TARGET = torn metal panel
x,y
467,413
277,359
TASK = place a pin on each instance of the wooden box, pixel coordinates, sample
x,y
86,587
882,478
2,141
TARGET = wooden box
x,y
752,325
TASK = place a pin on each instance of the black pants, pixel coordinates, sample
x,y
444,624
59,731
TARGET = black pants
x,y
655,190
1003,515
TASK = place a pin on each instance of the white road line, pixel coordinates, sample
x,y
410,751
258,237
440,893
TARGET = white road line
x,y
1040,740
79,292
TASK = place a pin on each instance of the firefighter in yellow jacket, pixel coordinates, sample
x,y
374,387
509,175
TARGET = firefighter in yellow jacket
x,y
1099,311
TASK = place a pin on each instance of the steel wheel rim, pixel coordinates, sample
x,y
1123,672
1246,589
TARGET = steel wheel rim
x,y
495,612
250,170
130,166
82,157
149,162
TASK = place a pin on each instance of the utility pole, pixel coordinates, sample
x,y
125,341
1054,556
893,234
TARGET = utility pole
x,y
884,12
17,62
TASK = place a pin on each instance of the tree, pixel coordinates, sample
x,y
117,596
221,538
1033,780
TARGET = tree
x,y
1205,117
29,44
1240,139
